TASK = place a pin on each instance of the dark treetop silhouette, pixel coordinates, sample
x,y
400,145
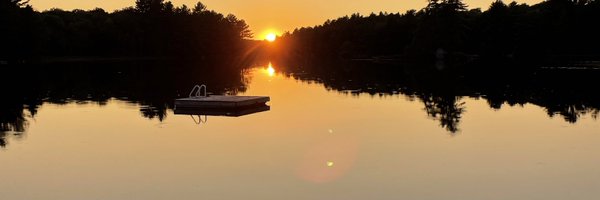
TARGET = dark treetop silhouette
x,y
514,31
152,28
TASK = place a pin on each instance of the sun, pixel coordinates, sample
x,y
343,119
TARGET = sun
x,y
271,37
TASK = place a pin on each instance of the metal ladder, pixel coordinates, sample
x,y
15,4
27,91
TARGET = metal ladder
x,y
198,93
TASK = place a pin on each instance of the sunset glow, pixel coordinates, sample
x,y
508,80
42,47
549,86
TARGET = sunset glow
x,y
271,37
260,17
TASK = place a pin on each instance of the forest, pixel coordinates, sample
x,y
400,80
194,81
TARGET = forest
x,y
557,28
153,28
157,28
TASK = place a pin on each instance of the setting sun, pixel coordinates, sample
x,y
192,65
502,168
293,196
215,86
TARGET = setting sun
x,y
271,37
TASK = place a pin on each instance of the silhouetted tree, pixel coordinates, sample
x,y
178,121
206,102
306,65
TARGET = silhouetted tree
x,y
150,6
442,26
199,8
183,10
152,28
497,31
239,26
18,29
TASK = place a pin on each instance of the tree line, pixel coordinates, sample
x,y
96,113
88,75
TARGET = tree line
x,y
513,30
151,28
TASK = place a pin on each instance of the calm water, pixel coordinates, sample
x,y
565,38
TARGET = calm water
x,y
316,142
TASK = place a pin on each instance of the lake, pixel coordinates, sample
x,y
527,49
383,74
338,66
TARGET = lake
x,y
322,138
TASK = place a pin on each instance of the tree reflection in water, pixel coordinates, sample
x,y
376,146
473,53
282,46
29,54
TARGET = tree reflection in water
x,y
567,93
13,122
447,110
153,86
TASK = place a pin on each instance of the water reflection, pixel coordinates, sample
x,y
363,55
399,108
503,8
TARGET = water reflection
x,y
565,93
199,120
329,159
14,119
153,86
447,110
270,69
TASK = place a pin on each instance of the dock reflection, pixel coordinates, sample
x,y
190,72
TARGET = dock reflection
x,y
237,112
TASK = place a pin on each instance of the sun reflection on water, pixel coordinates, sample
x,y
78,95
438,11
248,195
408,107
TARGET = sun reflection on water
x,y
271,70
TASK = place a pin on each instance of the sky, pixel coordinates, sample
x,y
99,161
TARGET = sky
x,y
272,16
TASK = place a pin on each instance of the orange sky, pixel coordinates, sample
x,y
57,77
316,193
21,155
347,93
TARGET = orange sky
x,y
272,15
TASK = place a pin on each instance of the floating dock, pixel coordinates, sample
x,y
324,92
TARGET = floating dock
x,y
220,102
236,112
219,105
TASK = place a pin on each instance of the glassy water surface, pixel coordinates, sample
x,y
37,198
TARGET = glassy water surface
x,y
316,142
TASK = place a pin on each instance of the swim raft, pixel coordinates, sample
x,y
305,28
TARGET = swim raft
x,y
197,100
